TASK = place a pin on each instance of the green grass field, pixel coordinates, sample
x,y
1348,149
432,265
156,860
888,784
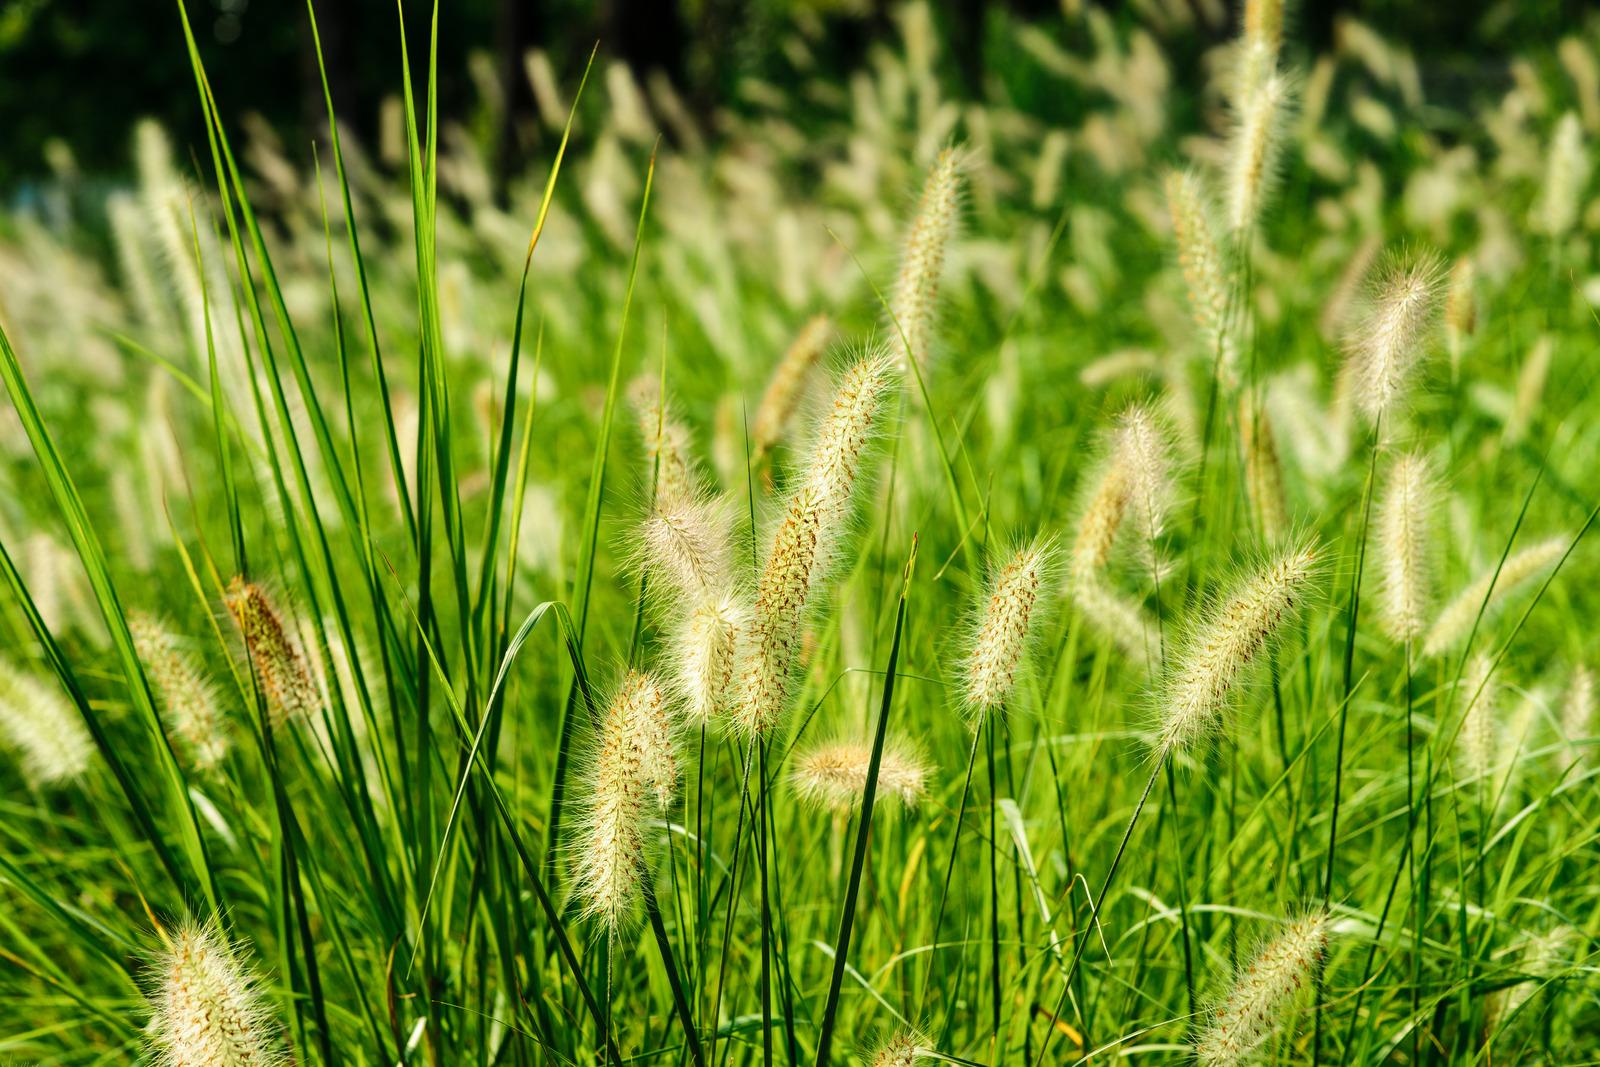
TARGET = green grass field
x,y
1188,588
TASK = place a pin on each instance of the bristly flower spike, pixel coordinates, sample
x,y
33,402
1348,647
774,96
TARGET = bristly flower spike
x,y
1391,342
1002,632
1403,543
808,536
634,771
1480,741
905,1049
190,700
1566,178
1199,692
833,775
1460,311
1263,999
1263,470
280,668
706,652
208,1006
667,443
1577,714
916,292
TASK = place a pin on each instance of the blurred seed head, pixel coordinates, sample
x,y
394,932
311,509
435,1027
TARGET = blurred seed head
x,y
188,696
1204,273
833,775
275,658
788,386
1488,592
1390,345
45,731
916,292
1263,469
1566,178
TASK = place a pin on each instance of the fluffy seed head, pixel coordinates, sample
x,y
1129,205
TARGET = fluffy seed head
x,y
1459,614
687,545
1003,629
1336,313
1203,272
904,1049
280,669
1199,692
917,291
207,1004
1480,741
1263,998
1101,521
1114,615
1391,342
833,775
667,442
1263,471
707,653
47,733
788,385
190,699
1252,154
1143,451
814,522
634,767
1403,543
1566,176
1577,714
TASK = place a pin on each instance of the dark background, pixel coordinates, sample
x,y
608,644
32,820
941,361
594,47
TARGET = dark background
x,y
84,71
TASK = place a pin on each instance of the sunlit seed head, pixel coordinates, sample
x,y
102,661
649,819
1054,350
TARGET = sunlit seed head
x,y
1338,311
1263,469
1566,178
188,697
1389,347
207,1006
810,533
833,775
1204,273
687,548
1263,23
916,293
1003,626
788,385
1265,994
1488,592
46,733
634,772
1142,445
706,652
1206,671
1097,533
275,658
1251,165
1403,544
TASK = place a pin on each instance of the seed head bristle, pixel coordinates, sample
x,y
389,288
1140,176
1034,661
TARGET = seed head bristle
x,y
788,385
1199,692
707,654
1263,998
47,733
1253,151
275,658
808,536
190,700
1097,533
1142,449
208,1010
1003,627
1566,177
634,766
668,444
916,292
1403,544
1204,272
833,775
1457,617
1263,470
1391,343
